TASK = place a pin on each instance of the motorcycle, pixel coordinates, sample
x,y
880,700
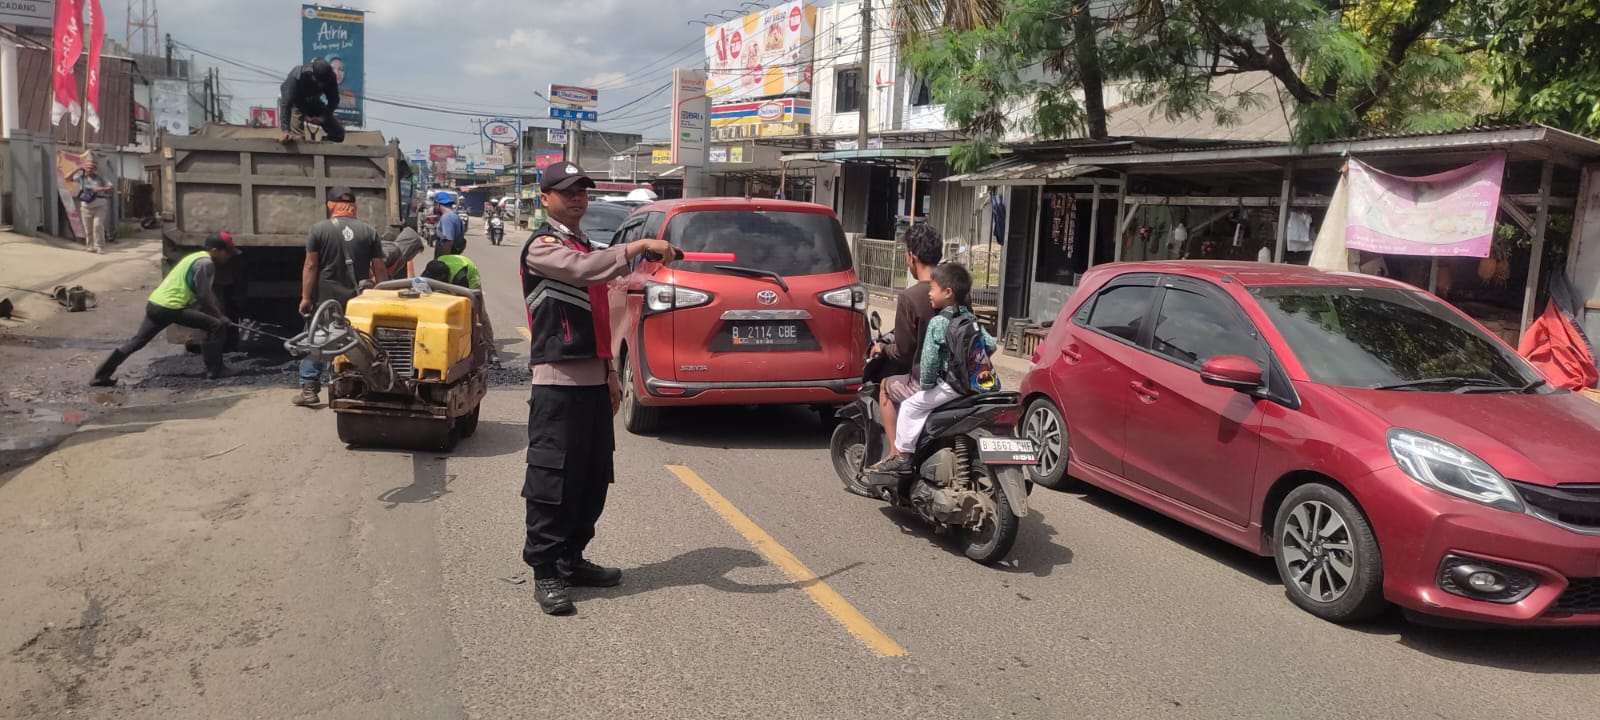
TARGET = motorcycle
x,y
497,230
968,469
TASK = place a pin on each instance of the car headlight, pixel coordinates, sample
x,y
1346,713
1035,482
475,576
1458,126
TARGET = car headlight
x,y
1447,468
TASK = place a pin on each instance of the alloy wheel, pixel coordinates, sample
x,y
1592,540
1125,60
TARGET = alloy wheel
x,y
1044,429
1318,551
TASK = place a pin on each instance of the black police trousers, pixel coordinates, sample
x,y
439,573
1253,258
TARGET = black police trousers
x,y
570,443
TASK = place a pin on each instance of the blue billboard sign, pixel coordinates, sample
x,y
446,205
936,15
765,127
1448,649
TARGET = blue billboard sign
x,y
338,36
567,114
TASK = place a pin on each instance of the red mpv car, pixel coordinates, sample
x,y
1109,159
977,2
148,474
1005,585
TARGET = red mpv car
x,y
1375,441
783,324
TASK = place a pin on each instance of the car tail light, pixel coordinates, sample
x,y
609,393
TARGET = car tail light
x,y
660,298
853,297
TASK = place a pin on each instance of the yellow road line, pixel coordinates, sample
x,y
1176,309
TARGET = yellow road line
x,y
824,596
526,333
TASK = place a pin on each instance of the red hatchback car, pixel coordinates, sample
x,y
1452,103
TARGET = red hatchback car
x,y
781,324
1375,441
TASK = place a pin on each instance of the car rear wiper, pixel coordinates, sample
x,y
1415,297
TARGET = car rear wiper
x,y
1448,380
755,272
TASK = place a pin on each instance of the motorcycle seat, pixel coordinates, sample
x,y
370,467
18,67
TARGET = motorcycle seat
x,y
952,413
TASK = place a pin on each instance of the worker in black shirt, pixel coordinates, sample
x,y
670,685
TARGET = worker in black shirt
x,y
312,89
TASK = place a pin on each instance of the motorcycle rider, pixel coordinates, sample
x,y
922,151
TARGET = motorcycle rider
x,y
913,309
950,293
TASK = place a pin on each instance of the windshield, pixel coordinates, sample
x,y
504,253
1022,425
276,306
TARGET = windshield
x,y
601,220
787,243
1379,337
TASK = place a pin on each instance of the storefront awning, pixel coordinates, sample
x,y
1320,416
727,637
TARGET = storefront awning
x,y
884,154
1016,171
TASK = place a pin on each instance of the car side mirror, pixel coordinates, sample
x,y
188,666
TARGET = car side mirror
x,y
875,321
1234,372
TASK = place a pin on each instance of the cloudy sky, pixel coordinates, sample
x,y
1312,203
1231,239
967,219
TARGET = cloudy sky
x,y
481,57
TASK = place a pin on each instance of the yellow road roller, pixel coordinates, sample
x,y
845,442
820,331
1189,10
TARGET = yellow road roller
x,y
410,363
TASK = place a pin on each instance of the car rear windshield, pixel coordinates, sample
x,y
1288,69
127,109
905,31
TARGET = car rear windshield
x,y
787,243
1378,337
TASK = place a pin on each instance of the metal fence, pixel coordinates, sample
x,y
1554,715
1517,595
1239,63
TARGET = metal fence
x,y
880,264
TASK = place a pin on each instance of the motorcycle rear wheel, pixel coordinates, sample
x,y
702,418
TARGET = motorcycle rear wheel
x,y
998,532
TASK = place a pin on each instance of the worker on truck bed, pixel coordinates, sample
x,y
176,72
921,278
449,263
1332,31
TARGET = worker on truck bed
x,y
175,302
313,89
341,252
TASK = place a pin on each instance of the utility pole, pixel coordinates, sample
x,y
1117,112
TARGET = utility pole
x,y
575,142
864,81
169,54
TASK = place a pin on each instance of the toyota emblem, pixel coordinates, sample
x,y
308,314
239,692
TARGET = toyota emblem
x,y
767,297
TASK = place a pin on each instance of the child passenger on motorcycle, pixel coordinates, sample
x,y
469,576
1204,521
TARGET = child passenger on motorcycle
x,y
950,290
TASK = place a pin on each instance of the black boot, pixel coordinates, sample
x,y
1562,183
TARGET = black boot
x,y
103,374
582,573
552,596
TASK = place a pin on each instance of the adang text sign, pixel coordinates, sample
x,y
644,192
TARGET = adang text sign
x,y
1449,214
338,36
762,54
32,13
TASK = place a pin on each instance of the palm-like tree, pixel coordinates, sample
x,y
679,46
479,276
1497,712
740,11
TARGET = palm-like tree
x,y
917,17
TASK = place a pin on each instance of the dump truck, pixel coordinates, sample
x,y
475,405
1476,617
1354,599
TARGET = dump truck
x,y
267,195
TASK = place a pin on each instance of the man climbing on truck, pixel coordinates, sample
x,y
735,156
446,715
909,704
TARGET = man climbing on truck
x,y
313,91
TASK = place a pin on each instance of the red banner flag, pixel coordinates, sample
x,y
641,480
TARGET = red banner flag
x,y
91,89
68,44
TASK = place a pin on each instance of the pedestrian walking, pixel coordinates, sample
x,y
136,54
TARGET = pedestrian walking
x,y
341,253
94,206
185,297
570,432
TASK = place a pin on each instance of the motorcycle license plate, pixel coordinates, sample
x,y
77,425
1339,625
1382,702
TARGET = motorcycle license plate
x,y
1007,451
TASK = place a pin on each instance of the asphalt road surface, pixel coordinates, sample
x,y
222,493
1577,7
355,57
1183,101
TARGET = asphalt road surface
x,y
208,554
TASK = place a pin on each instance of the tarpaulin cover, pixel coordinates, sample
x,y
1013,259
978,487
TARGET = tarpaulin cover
x,y
1555,347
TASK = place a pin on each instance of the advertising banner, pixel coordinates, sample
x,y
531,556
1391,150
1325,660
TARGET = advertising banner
x,y
263,117
661,157
762,54
1449,214
91,87
718,155
441,153
690,111
546,159
169,103
68,37
778,110
338,36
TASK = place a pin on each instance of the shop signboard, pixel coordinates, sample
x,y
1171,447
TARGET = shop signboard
x,y
546,159
661,156
763,54
441,153
574,96
29,13
718,155
691,111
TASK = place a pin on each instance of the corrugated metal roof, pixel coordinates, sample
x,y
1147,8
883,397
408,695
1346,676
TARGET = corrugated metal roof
x,y
1486,137
1018,171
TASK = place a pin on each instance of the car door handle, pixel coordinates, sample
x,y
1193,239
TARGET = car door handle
x,y
1145,392
1072,354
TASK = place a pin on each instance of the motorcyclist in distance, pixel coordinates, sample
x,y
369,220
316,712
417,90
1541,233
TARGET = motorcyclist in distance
x,y
912,311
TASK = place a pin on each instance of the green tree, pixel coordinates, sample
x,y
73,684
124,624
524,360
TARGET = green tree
x,y
1544,60
1342,69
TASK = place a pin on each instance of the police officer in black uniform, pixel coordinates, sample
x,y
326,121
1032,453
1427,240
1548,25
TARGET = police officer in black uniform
x,y
570,434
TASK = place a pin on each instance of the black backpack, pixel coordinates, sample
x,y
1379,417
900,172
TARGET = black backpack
x,y
971,369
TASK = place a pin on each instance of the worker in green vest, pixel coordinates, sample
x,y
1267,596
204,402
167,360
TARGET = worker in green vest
x,y
184,298
459,270
454,269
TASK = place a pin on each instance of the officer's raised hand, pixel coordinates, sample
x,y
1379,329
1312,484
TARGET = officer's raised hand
x,y
654,250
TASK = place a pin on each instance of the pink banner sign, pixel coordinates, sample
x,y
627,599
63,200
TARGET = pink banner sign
x,y
91,87
1449,214
68,34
